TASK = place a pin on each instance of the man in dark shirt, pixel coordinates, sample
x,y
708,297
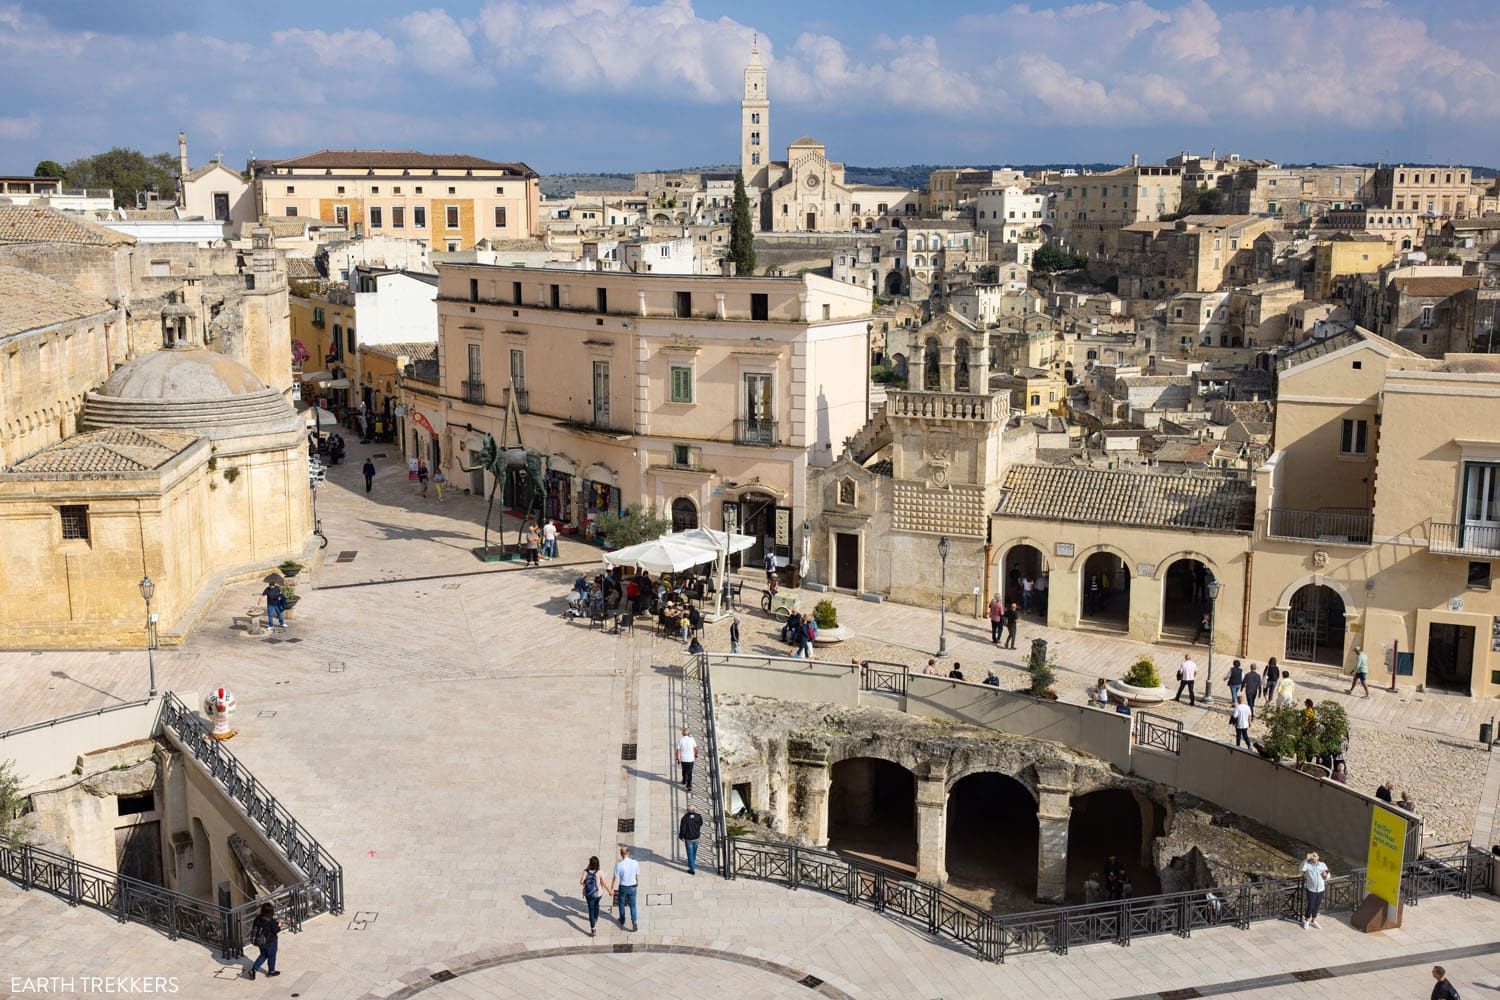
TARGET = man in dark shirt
x,y
956,673
1011,616
688,832
1442,989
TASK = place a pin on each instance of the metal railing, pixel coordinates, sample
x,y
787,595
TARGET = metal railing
x,y
72,718
995,937
762,432
473,392
697,669
946,405
325,876
1158,732
1346,526
876,675
1463,539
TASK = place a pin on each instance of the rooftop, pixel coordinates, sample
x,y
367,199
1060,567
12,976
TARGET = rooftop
x,y
391,159
109,452
35,224
1437,285
1100,496
411,350
30,301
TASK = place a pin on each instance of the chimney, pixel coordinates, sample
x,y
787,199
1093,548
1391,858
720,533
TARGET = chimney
x,y
182,164
1135,159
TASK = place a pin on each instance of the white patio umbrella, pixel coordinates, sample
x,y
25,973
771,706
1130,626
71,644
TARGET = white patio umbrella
x,y
667,554
724,544
318,418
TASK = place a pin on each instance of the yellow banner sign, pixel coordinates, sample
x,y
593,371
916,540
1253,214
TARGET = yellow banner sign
x,y
1387,855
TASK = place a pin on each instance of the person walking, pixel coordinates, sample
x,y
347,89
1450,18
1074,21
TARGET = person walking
x,y
1236,681
1039,595
440,482
1101,694
734,635
1027,586
627,883
369,471
1441,988
1011,616
549,539
1252,688
593,891
687,753
1273,674
806,636
1361,671
533,545
1239,718
997,616
263,934
1286,690
770,563
422,475
1314,884
1187,677
688,831
275,605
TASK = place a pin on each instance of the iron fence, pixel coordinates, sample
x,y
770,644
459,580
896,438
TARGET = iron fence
x,y
1350,526
874,675
995,937
325,876
1158,732
697,669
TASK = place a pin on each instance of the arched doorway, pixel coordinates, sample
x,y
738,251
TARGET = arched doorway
x,y
1113,821
684,514
1023,562
893,283
1184,598
872,810
1315,625
961,366
932,360
757,512
992,841
1104,592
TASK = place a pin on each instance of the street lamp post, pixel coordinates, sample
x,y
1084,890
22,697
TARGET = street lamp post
x,y
943,547
147,589
1213,619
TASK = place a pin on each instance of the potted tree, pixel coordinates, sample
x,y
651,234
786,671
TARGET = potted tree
x,y
1141,684
1042,673
290,569
636,524
829,630
1291,735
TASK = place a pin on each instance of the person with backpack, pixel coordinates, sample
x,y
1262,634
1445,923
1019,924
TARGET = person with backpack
x,y
806,636
275,605
263,934
593,892
688,832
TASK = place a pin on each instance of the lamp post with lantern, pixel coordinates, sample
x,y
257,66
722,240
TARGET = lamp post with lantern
x,y
147,590
1213,620
943,546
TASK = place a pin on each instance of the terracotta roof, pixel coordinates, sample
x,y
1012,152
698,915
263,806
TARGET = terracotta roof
x,y
805,140
391,159
286,225
412,351
1186,452
207,169
112,451
302,269
1435,285
35,224
30,301
1099,496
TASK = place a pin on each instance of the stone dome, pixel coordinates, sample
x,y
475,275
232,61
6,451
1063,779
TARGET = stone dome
x,y
188,388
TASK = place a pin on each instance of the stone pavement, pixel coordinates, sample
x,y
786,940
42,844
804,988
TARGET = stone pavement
x,y
456,744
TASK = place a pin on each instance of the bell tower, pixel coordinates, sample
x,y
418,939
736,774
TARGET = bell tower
x,y
755,121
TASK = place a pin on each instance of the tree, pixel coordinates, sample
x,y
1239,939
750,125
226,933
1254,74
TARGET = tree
x,y
50,168
1042,673
128,172
10,804
741,232
1290,735
1051,257
637,524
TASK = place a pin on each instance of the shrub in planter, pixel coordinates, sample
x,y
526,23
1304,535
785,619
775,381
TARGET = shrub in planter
x,y
1142,674
290,569
826,615
1042,674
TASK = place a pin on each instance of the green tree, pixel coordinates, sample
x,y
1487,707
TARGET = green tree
x,y
637,524
1290,735
1050,257
50,168
1042,673
741,232
10,804
128,172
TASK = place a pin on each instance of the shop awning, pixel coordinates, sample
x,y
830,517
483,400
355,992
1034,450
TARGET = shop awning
x,y
316,376
338,383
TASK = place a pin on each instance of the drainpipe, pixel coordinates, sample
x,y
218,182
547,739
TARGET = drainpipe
x,y
1245,611
988,550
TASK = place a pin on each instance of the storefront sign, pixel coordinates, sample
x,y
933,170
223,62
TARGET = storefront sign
x,y
411,469
423,421
783,526
1062,548
1387,855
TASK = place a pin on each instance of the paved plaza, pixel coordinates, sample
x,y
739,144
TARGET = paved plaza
x,y
456,744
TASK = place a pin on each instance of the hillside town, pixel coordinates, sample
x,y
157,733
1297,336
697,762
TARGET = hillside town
x,y
1205,412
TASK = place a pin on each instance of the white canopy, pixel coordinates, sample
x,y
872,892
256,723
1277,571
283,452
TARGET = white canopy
x,y
316,416
668,554
716,540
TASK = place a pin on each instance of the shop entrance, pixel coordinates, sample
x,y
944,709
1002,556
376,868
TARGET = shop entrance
x,y
1450,656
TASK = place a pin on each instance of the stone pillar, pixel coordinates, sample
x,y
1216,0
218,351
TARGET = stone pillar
x,y
1054,809
808,781
932,827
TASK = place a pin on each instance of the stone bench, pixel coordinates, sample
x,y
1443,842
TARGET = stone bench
x,y
251,620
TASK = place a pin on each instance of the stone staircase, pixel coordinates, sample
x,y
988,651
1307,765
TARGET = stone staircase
x,y
873,436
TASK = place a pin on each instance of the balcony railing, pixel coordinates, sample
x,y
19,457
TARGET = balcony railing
x,y
944,405
473,392
761,432
1463,540
1340,526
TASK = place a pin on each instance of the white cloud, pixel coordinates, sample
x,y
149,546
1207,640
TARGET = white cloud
x,y
439,45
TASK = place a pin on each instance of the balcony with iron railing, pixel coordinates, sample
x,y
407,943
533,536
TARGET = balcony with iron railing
x,y
756,432
1329,525
1464,540
473,392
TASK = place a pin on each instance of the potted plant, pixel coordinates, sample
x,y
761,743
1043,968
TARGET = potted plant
x,y
289,596
636,524
1141,684
826,616
290,569
1042,673
1290,735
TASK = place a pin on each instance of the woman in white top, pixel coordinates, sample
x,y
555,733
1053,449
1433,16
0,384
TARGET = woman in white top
x,y
1314,883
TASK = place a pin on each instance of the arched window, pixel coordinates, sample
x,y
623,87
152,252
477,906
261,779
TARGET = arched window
x,y
919,261
920,243
961,366
932,376
684,514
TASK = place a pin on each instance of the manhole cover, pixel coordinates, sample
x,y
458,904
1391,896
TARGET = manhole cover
x,y
625,825
266,714
1309,975
811,982
658,899
347,555
336,668
623,949
452,586
443,975
627,751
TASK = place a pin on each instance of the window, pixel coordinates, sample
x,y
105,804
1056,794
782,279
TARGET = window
x,y
419,189
1479,576
755,138
341,214
452,246
419,216
341,189
1036,399
515,292
451,216
755,118
398,217
375,217
349,339
554,296
1427,315
1482,499
453,191
290,189
683,304
601,300
499,189
374,188
1355,438
682,384
499,216
291,211
682,456
760,305
396,189
755,160
221,206
317,316
518,367
75,521
473,289
474,359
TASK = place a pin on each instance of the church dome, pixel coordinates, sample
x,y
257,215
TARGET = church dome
x,y
180,388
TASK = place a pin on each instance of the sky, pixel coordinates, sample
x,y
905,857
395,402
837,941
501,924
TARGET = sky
x,y
624,85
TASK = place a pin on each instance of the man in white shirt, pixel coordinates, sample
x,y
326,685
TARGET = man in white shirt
x,y
1187,674
1239,717
627,880
549,539
687,752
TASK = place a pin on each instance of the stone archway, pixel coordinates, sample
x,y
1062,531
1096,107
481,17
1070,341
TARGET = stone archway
x,y
992,841
1113,821
1316,626
872,810
1104,589
1184,594
1023,559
